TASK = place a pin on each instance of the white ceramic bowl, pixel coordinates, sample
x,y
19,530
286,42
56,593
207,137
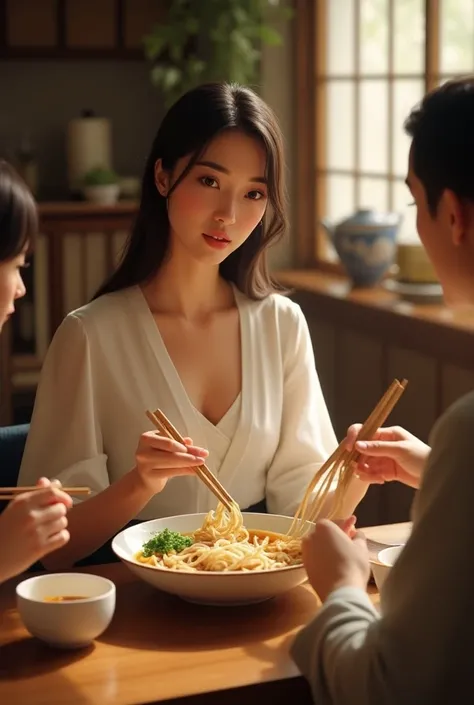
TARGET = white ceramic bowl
x,y
71,624
386,559
211,588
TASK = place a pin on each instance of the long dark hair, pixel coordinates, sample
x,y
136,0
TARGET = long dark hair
x,y
188,127
18,215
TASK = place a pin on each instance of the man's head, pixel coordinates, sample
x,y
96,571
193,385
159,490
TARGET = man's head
x,y
441,179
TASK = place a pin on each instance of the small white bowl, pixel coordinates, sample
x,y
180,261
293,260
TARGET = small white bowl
x,y
209,588
386,559
69,624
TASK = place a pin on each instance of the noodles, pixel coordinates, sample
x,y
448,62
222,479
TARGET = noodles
x,y
223,544
337,472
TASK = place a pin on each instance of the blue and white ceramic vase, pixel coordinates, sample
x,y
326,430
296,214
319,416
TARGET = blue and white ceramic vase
x,y
366,244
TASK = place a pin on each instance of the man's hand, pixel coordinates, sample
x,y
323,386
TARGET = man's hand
x,y
332,559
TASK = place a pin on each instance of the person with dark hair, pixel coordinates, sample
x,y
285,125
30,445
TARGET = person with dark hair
x,y
191,323
33,523
18,226
417,651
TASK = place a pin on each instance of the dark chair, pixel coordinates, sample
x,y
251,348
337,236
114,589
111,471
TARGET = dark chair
x,y
12,445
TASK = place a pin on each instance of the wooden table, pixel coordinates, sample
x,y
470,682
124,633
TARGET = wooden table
x,y
160,649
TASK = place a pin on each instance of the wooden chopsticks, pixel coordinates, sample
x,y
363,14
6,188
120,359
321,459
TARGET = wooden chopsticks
x,y
11,492
164,426
339,466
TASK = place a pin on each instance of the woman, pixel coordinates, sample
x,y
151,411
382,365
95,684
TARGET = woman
x,y
191,323
34,523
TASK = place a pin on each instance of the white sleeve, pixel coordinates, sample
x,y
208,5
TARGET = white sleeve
x,y
307,437
417,651
64,440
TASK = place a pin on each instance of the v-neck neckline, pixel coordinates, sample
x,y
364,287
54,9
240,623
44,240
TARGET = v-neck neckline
x,y
223,418
192,422
177,388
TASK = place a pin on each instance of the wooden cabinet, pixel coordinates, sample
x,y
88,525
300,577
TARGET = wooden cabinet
x,y
362,341
138,18
76,28
30,23
90,24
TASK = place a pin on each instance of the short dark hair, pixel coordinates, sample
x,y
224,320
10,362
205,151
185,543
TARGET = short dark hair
x,y
188,127
18,214
442,131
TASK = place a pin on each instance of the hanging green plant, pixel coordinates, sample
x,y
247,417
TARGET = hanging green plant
x,y
211,40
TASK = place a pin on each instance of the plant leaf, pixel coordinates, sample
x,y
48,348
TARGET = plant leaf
x,y
270,36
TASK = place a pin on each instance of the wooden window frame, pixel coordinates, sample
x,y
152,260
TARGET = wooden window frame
x,y
310,99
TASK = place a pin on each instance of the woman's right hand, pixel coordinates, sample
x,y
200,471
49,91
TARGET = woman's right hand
x,y
159,458
393,454
32,525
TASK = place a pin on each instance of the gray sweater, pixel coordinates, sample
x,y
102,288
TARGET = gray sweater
x,y
421,649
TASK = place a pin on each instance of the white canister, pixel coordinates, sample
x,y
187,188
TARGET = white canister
x,y
89,145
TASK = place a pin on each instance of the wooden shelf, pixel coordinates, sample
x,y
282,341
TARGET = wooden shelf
x,y
48,53
59,209
339,287
383,314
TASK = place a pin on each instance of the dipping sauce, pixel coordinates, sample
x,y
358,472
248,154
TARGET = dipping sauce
x,y
65,598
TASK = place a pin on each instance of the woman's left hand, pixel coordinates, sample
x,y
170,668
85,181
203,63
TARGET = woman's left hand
x,y
333,558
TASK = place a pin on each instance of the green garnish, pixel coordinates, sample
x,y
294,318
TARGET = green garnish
x,y
166,541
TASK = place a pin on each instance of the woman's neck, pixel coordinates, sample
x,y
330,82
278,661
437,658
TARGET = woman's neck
x,y
189,290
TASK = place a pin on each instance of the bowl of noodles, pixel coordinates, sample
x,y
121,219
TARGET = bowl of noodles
x,y
219,558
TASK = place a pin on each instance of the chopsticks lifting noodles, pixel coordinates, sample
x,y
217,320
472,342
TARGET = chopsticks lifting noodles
x,y
165,427
11,492
339,467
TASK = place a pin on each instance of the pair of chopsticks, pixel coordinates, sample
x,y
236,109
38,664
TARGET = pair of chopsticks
x,y
340,466
11,492
166,428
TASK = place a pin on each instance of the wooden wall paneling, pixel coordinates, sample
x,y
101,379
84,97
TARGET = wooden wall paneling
x,y
85,266
416,411
359,385
55,277
139,18
96,258
91,24
376,340
323,337
72,294
455,382
31,23
41,295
